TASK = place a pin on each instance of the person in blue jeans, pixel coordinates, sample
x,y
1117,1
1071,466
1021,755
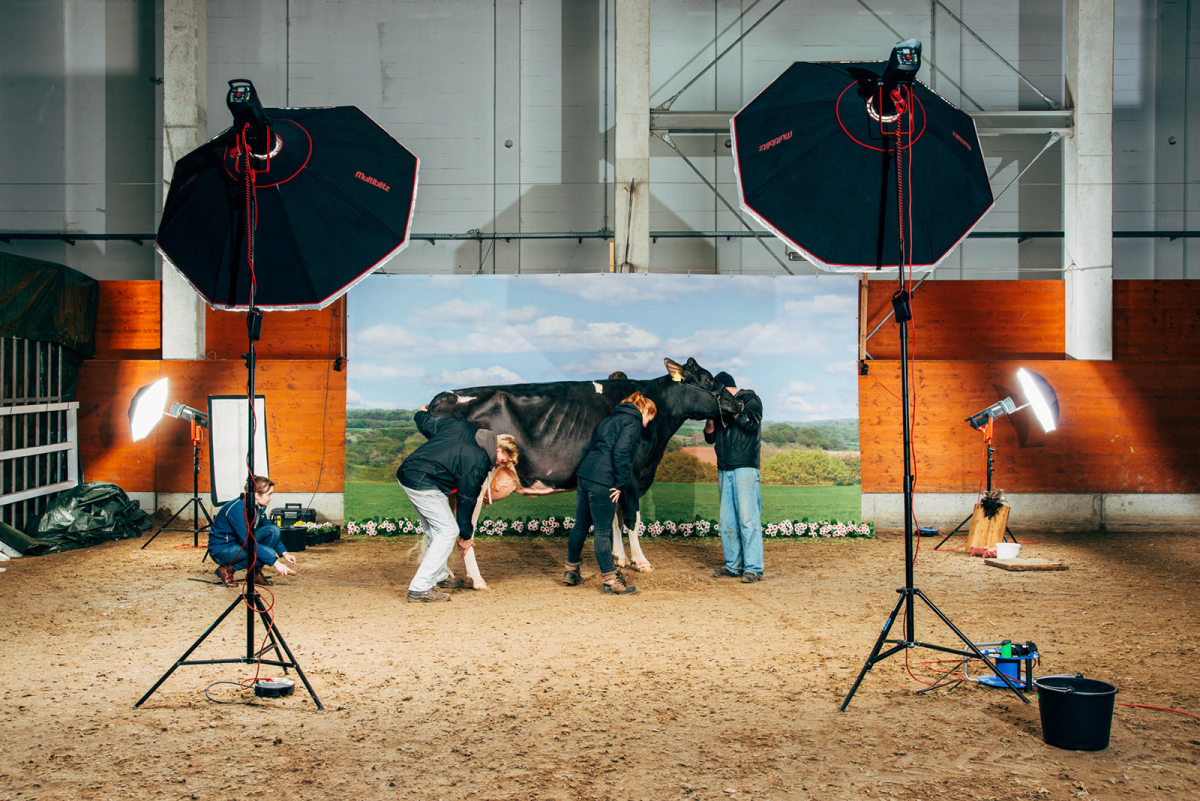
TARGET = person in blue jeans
x,y
737,440
606,472
227,538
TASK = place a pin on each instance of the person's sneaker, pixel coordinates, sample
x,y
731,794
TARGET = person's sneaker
x,y
430,594
750,578
724,572
452,583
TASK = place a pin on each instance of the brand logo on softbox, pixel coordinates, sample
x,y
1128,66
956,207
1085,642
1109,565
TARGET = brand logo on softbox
x,y
775,141
373,181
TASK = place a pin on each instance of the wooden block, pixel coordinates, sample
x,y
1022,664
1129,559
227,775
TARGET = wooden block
x,y
1025,564
984,531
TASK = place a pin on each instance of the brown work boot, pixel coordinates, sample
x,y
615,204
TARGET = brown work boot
x,y
614,584
225,574
261,578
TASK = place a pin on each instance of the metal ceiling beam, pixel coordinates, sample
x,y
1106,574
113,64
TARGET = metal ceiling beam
x,y
987,123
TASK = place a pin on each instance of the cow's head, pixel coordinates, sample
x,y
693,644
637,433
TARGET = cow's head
x,y
701,397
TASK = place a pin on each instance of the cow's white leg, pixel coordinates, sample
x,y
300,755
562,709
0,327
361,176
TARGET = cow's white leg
x,y
472,567
469,562
618,548
635,549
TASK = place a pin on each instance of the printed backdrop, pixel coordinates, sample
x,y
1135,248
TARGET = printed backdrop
x,y
790,339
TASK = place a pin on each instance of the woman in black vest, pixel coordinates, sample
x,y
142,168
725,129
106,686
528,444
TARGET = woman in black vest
x,y
605,472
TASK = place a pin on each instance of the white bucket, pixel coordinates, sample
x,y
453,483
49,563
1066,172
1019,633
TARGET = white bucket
x,y
1007,550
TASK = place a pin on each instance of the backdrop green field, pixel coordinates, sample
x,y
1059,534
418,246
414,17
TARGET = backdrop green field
x,y
663,502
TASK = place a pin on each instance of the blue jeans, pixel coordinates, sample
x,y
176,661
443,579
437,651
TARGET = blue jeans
x,y
269,548
741,519
593,506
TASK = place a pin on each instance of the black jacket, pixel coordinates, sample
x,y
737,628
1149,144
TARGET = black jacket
x,y
738,441
609,458
451,461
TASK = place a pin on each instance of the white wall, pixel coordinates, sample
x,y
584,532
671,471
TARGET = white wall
x,y
455,79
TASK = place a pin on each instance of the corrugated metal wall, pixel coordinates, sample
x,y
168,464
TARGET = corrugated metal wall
x,y
458,80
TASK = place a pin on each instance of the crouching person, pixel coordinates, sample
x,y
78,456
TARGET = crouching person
x,y
227,538
454,463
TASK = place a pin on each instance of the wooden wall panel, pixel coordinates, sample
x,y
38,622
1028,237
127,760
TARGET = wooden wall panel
x,y
108,452
1156,320
1125,427
306,421
984,320
127,322
285,335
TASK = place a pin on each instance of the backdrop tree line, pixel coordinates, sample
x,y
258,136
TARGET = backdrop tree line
x,y
794,454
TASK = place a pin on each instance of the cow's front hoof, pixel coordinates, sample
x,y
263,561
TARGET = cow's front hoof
x,y
479,585
643,567
621,561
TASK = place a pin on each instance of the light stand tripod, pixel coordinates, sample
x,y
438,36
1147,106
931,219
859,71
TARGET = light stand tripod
x,y
249,118
892,150
991,465
196,505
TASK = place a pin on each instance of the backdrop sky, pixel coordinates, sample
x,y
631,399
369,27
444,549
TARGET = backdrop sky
x,y
792,340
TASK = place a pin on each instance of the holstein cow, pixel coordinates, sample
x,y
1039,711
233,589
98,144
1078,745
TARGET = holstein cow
x,y
553,423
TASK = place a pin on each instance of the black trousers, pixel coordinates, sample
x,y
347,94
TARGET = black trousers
x,y
593,506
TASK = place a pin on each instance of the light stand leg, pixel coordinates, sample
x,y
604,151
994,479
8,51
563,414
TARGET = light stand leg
x,y
195,503
254,604
874,657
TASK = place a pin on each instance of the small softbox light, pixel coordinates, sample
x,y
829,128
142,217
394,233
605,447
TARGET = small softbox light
x,y
228,442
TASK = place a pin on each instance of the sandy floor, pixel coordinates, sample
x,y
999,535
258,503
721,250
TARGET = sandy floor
x,y
696,688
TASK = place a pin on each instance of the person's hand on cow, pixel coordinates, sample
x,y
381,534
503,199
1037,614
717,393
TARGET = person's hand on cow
x,y
424,408
615,494
710,425
466,545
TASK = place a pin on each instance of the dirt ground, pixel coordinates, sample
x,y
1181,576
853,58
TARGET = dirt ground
x,y
696,688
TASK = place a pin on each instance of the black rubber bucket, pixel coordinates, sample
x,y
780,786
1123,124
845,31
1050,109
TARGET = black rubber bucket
x,y
1076,712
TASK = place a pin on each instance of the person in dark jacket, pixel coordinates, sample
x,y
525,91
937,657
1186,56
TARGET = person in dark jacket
x,y
738,441
227,538
605,472
454,463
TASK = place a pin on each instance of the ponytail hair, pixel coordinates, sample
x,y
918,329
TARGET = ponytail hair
x,y
261,484
643,404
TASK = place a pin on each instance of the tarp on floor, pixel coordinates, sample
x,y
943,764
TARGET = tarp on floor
x,y
88,514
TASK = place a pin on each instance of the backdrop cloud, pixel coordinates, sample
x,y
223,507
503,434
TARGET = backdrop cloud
x,y
413,336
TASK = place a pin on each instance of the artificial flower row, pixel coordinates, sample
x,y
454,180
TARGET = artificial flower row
x,y
551,526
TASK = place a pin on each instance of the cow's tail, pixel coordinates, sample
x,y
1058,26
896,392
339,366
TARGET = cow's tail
x,y
418,551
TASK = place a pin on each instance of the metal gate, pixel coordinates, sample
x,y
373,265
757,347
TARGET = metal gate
x,y
39,442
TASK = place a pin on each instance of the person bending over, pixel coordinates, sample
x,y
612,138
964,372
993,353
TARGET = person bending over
x,y
454,463
227,538
738,443
605,472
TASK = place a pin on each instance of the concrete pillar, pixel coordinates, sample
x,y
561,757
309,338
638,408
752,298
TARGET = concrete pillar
x,y
1087,179
632,147
185,127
